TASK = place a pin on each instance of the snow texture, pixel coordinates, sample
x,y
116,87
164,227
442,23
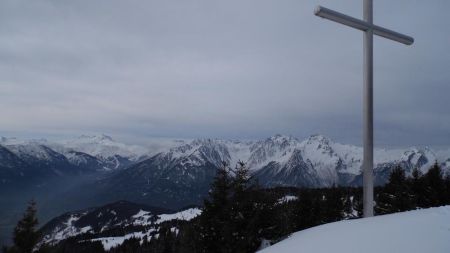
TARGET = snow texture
x,y
186,215
66,230
110,242
426,230
144,218
286,199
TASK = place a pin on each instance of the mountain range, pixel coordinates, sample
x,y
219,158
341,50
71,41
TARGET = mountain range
x,y
92,170
276,161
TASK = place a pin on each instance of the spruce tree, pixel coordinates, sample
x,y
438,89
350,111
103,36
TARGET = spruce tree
x,y
230,220
26,236
307,212
244,216
417,188
333,205
215,215
396,195
447,189
435,186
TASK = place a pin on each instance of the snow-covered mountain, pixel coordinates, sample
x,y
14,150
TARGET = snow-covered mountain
x,y
12,168
175,178
315,161
182,175
285,160
104,146
95,152
113,223
328,162
112,155
35,163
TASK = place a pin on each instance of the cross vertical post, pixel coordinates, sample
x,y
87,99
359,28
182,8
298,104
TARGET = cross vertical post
x,y
366,25
368,112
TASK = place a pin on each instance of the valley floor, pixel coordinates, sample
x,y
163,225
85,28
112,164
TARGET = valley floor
x,y
425,230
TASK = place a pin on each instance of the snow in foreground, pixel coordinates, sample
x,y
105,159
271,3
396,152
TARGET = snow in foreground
x,y
426,230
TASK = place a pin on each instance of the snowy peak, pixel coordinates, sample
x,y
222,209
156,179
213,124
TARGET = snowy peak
x,y
11,166
277,148
17,141
181,149
318,150
321,160
318,139
281,140
319,147
419,158
98,152
35,151
212,150
96,138
197,153
104,146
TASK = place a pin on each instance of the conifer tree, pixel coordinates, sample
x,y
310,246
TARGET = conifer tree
x,y
25,235
243,215
396,196
417,188
334,205
306,215
416,174
447,188
230,221
215,215
434,186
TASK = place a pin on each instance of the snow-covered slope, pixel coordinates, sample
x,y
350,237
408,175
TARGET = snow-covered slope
x,y
426,230
151,227
277,149
35,152
43,159
140,220
12,168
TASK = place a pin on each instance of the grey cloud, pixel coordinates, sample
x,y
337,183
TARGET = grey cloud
x,y
233,69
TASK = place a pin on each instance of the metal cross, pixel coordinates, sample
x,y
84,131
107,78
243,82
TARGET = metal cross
x,y
369,30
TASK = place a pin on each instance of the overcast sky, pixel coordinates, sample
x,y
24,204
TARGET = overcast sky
x,y
220,69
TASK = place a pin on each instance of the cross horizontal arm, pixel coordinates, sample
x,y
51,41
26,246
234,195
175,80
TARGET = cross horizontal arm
x,y
392,35
341,18
362,25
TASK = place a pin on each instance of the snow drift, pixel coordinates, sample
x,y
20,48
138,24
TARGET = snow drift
x,y
426,230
